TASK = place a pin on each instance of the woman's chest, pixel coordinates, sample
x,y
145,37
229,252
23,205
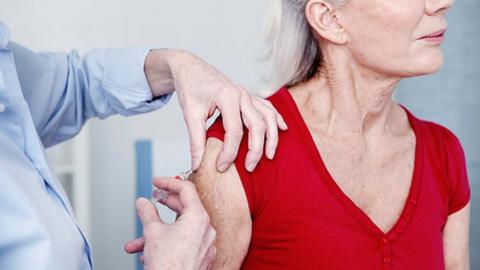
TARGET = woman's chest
x,y
308,219
376,178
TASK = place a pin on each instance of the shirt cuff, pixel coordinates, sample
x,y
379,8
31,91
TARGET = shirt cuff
x,y
124,80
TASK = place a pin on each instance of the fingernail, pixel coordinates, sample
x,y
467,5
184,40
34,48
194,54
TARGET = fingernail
x,y
138,204
223,167
159,194
271,154
251,166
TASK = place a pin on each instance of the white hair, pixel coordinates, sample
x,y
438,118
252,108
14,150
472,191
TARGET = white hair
x,y
293,50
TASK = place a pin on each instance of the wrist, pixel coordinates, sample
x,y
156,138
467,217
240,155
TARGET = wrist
x,y
177,58
159,70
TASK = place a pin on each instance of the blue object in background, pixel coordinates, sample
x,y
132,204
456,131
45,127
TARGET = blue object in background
x,y
144,173
158,158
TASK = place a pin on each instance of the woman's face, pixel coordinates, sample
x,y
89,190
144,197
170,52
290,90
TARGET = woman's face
x,y
399,38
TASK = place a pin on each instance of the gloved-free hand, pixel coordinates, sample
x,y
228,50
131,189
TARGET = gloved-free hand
x,y
186,244
201,90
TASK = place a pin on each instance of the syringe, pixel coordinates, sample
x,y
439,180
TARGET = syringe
x,y
160,194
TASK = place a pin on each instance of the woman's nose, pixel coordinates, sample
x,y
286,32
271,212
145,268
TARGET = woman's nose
x,y
435,7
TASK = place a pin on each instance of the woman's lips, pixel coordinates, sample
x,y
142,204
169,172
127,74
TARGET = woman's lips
x,y
435,37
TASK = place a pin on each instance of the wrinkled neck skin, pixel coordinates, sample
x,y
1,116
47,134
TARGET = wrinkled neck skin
x,y
345,96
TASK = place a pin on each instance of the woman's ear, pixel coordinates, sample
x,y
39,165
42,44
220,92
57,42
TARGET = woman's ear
x,y
324,22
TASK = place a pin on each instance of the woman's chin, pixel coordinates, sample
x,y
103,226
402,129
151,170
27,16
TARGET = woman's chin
x,y
431,63
426,65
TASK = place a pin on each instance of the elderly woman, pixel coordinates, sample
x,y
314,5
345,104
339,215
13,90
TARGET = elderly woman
x,y
358,182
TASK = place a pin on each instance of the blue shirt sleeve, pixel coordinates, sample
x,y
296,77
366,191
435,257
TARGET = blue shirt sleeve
x,y
64,90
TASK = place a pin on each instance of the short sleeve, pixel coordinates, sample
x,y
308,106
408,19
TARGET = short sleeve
x,y
217,130
457,182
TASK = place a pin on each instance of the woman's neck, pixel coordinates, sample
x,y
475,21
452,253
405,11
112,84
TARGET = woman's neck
x,y
348,97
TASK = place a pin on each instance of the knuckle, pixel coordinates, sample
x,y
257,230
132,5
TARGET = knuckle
x,y
252,160
257,124
228,157
195,148
263,127
272,135
271,115
256,152
170,184
255,157
204,220
236,133
203,223
260,129
272,139
196,155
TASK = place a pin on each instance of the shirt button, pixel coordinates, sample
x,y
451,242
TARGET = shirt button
x,y
2,108
387,259
384,241
413,201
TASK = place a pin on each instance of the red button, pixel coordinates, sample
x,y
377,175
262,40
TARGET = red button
x,y
387,259
408,217
384,241
413,201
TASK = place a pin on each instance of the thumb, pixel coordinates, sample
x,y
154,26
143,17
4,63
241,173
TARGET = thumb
x,y
147,212
197,136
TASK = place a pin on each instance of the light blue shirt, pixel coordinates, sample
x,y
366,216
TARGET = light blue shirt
x,y
45,98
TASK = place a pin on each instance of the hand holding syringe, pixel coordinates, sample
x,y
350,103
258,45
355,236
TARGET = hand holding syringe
x,y
191,238
158,195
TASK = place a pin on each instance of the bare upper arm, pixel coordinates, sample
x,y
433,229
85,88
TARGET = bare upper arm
x,y
224,198
455,240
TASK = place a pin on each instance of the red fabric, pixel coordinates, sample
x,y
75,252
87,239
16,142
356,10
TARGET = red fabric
x,y
302,220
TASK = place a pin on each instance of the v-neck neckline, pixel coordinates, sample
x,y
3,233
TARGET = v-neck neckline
x,y
358,214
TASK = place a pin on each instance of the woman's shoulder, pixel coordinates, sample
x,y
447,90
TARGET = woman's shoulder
x,y
441,142
260,184
439,134
444,147
279,97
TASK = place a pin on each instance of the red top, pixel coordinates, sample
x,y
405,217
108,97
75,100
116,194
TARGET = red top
x,y
303,220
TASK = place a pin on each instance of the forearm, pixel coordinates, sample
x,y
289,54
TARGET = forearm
x,y
64,90
158,71
162,66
